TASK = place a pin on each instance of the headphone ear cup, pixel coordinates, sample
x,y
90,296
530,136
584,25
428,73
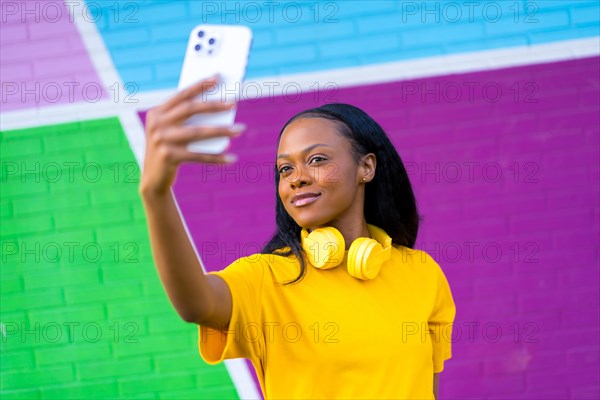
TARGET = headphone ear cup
x,y
324,247
360,263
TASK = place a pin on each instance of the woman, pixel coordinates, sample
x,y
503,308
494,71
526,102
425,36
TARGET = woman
x,y
377,326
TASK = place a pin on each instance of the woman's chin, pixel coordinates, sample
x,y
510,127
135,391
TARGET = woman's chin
x,y
311,223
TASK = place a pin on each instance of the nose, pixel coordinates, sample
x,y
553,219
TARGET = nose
x,y
299,178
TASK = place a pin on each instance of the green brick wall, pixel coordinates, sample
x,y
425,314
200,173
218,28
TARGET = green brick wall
x,y
83,314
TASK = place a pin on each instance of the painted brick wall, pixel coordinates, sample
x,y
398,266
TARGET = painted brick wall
x,y
44,61
147,41
506,178
83,313
540,134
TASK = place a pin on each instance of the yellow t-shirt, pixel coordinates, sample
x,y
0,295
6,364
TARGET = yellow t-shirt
x,y
332,335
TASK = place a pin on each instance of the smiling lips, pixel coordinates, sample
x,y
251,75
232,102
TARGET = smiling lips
x,y
303,199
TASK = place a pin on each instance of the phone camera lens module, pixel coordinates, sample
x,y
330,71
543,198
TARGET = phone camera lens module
x,y
212,41
200,34
197,47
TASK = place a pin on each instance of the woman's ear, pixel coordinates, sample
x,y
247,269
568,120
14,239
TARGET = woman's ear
x,y
368,164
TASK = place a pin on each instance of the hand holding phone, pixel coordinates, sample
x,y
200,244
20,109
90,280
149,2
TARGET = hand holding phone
x,y
221,50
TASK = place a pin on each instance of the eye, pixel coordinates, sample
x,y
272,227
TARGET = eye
x,y
316,159
283,169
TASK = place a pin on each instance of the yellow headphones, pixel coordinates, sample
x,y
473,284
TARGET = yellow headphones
x,y
325,249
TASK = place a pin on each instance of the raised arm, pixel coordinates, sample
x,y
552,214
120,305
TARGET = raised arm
x,y
198,298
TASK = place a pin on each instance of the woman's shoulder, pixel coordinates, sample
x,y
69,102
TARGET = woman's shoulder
x,y
267,259
415,257
281,265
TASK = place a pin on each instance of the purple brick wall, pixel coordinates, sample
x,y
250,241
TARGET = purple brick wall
x,y
505,167
44,61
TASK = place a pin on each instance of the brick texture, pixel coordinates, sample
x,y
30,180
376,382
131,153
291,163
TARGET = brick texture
x,y
44,61
147,40
83,312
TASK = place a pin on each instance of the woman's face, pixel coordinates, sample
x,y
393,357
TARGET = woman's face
x,y
320,181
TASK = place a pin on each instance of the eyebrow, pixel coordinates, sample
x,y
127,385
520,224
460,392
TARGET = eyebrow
x,y
306,150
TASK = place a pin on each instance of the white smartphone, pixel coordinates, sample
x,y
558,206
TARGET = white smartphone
x,y
222,50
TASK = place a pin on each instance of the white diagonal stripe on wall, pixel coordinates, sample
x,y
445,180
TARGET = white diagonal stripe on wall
x,y
339,78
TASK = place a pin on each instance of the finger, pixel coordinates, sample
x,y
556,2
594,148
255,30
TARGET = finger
x,y
183,155
190,92
185,110
189,134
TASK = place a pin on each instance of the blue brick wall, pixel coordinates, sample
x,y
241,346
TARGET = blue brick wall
x,y
147,39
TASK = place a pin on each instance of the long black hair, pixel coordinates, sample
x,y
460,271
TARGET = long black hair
x,y
389,199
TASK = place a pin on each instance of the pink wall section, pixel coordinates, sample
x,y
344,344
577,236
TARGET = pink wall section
x,y
505,167
44,61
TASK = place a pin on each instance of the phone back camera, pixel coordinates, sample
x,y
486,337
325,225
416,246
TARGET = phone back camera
x,y
206,43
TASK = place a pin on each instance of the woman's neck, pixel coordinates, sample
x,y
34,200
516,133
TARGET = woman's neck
x,y
351,232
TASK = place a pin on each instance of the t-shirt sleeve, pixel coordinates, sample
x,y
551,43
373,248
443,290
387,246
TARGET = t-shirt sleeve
x,y
244,278
441,320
